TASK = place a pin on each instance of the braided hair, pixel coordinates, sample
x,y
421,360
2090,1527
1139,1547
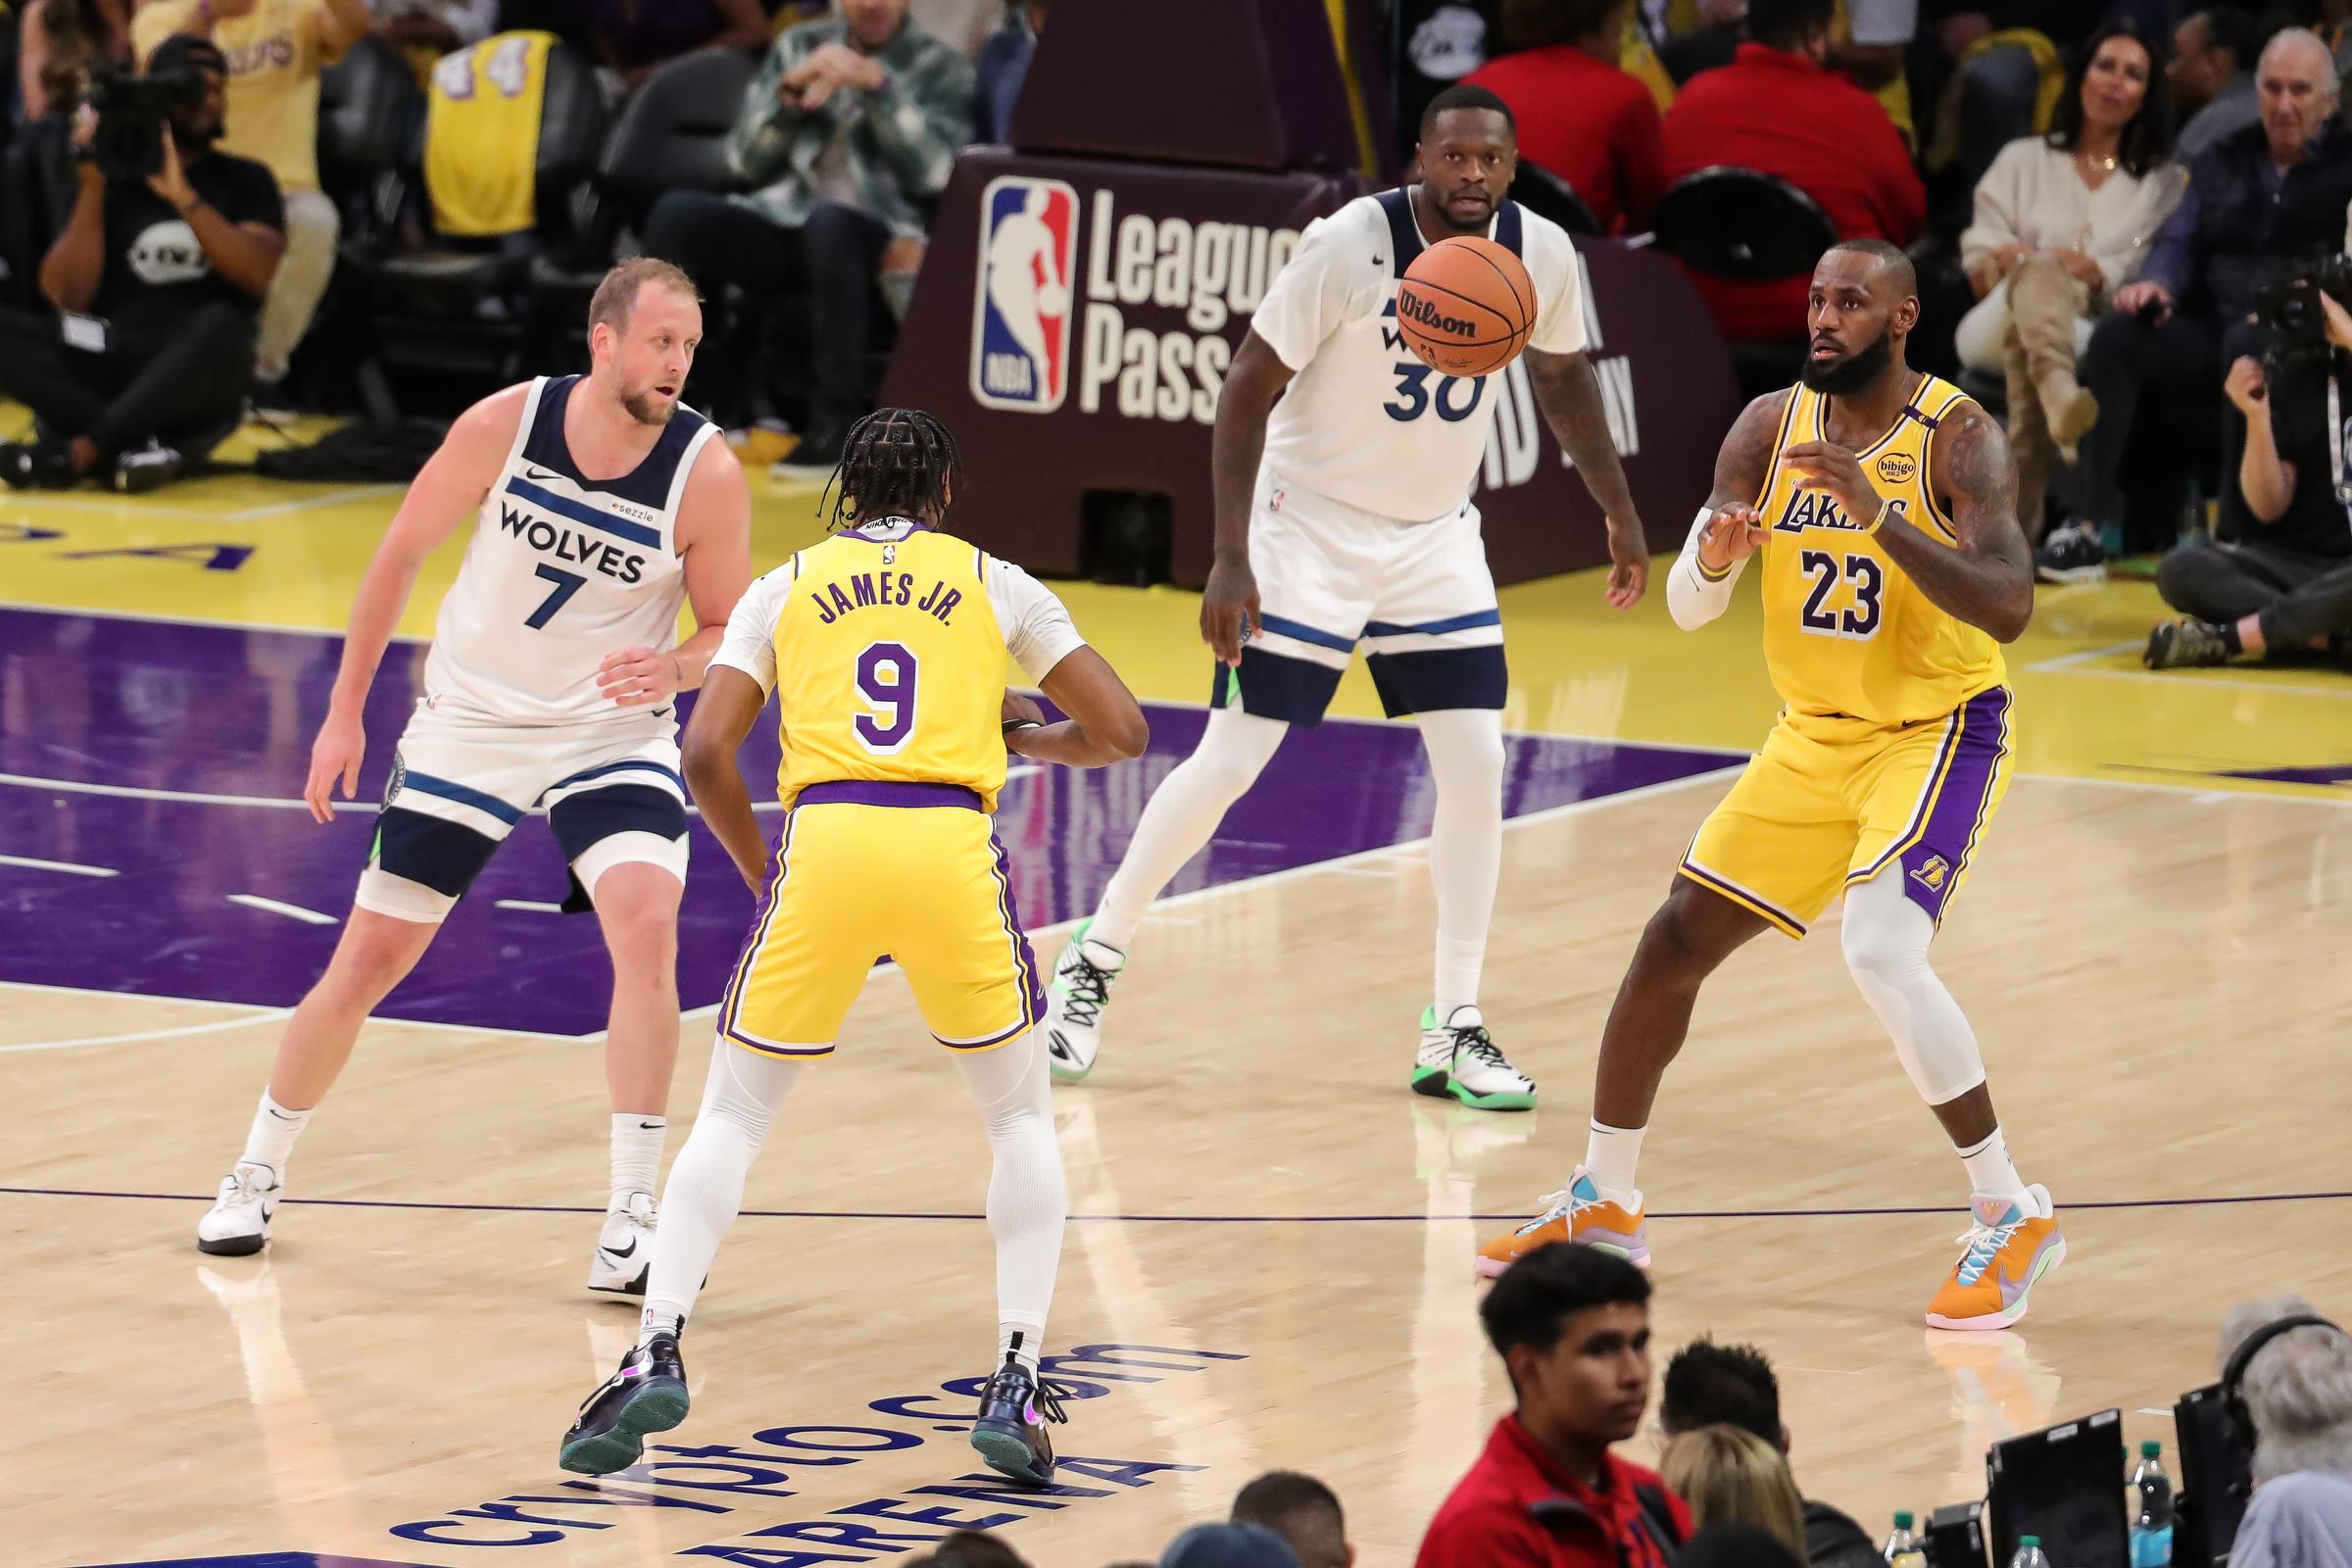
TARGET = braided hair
x,y
894,462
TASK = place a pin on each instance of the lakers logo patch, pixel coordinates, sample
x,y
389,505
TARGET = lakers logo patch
x,y
1897,467
1933,873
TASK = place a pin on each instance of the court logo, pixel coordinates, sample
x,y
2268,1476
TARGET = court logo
x,y
1897,467
1021,307
1934,873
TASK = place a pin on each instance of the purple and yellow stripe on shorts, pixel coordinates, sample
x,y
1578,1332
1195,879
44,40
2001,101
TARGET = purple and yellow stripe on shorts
x,y
1933,849
1024,961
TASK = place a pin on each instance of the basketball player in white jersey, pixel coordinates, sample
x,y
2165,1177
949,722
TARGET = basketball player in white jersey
x,y
1343,516
602,505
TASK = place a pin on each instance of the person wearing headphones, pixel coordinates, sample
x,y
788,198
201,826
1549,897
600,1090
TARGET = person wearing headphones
x,y
2288,1375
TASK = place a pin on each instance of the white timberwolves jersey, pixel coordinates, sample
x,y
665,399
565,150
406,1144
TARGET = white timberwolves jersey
x,y
561,570
1363,421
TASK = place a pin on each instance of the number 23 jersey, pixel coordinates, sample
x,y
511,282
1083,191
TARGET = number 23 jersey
x,y
885,646
1846,631
1363,421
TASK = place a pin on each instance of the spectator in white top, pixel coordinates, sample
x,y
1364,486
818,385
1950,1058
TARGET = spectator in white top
x,y
2062,222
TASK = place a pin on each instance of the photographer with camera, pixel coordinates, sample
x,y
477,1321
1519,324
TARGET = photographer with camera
x,y
157,279
2258,199
2285,583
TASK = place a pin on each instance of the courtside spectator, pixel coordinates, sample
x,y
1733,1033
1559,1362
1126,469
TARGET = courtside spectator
x,y
631,37
1776,109
435,27
2299,1389
1731,1476
163,278
1229,1546
1003,66
2212,76
1737,1546
1302,1511
1733,1385
849,131
2257,205
970,1548
1578,115
1572,1326
57,43
2062,222
275,51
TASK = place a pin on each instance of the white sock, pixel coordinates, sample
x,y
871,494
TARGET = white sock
x,y
636,1152
1611,1156
270,1140
1028,1200
1991,1170
739,1101
1466,844
1182,815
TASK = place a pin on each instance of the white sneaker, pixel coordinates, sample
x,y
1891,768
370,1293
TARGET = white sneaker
x,y
625,1252
1460,1058
1075,1000
238,1222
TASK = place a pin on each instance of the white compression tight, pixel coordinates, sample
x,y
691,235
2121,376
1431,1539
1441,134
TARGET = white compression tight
x,y
1027,1200
1182,813
1465,845
1886,940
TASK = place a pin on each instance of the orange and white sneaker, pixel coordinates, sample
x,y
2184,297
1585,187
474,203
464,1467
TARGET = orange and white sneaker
x,y
2012,1245
1576,1213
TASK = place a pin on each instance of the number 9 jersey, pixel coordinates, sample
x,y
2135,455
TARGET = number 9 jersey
x,y
885,646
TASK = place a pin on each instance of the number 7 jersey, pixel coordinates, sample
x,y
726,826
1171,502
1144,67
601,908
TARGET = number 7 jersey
x,y
1846,631
885,646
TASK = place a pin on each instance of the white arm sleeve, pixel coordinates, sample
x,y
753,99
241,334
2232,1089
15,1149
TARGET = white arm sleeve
x,y
1038,630
750,642
1692,597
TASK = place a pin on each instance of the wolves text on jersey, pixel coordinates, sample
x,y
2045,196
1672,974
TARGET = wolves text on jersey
x,y
565,544
866,589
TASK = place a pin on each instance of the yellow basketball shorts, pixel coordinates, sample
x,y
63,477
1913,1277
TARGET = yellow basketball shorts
x,y
872,870
1832,802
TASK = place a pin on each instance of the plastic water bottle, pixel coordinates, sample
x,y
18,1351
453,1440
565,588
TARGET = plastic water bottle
x,y
2029,1553
2151,1507
1902,1547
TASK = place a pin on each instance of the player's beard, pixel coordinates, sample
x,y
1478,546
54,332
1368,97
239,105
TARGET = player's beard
x,y
1852,373
646,409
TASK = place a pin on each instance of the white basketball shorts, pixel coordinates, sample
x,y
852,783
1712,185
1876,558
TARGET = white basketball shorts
x,y
1417,595
612,791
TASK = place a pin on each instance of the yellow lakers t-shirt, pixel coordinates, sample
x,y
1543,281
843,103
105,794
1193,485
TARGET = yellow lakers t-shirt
x,y
1845,630
482,135
276,53
885,649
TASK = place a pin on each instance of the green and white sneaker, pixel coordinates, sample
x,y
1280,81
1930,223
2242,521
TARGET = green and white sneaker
x,y
1074,1003
1458,1059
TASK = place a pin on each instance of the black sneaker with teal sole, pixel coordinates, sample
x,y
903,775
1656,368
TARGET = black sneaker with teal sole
x,y
1015,1408
647,1394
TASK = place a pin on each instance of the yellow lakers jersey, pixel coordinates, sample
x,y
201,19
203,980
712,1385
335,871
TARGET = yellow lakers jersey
x,y
890,665
1845,631
482,135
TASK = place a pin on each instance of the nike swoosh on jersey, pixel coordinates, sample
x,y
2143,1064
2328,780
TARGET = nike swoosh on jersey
x,y
538,477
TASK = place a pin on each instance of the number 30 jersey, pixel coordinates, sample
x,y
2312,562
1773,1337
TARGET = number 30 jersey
x,y
885,646
1363,421
1846,631
561,571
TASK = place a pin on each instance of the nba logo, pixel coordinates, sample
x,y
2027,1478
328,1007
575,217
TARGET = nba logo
x,y
1021,308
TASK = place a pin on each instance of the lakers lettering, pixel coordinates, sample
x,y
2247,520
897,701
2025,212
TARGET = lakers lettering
x,y
1810,509
863,590
581,548
1210,272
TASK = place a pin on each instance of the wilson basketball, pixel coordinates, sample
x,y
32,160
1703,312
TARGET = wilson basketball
x,y
1465,306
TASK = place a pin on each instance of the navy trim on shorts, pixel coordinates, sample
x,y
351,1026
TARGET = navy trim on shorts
x,y
1300,631
429,850
584,820
1270,685
645,764
1438,678
463,793
1434,628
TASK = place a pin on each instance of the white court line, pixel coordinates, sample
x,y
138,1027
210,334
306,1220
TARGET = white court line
x,y
279,508
67,866
266,1015
293,912
2083,657
213,621
529,906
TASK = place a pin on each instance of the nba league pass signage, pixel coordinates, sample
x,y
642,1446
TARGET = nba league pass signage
x,y
1076,320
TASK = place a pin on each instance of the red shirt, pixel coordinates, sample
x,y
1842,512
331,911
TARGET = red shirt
x,y
1588,122
1517,1509
1779,113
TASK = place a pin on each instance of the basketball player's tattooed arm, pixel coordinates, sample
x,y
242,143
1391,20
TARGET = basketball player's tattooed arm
x,y
1229,605
447,491
715,536
1569,393
723,715
1986,579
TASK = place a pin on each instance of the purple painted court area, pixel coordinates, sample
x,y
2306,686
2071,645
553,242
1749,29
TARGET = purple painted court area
x,y
173,714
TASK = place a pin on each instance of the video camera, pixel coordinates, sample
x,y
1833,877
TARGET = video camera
x,y
2295,331
133,119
